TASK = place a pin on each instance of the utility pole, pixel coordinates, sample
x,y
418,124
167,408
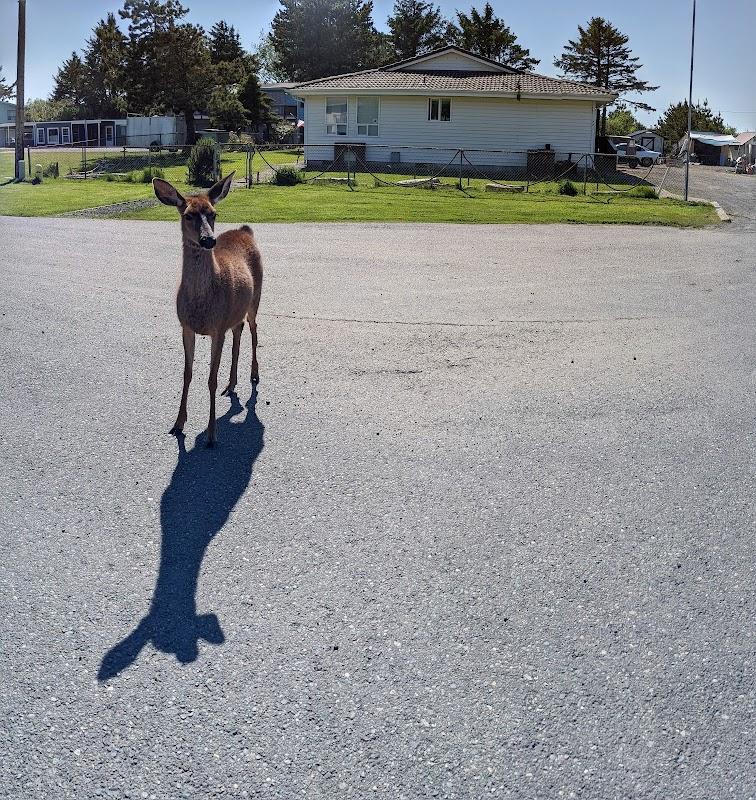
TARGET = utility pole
x,y
21,56
690,101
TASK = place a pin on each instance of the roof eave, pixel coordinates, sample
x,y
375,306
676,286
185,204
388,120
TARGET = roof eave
x,y
426,90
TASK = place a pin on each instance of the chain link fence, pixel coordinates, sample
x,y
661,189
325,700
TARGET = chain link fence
x,y
600,175
488,170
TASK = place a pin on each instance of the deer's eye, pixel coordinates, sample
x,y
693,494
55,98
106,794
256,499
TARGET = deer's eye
x,y
188,217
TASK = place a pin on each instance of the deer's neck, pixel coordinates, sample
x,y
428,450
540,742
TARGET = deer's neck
x,y
197,269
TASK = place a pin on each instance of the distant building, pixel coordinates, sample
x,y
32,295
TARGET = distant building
x,y
651,140
7,111
713,149
133,131
286,106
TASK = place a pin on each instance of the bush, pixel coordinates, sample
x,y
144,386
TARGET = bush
x,y
648,192
52,170
568,188
200,167
286,176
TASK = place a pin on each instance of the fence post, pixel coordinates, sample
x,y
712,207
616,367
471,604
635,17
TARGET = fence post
x,y
585,174
84,152
28,161
460,168
124,158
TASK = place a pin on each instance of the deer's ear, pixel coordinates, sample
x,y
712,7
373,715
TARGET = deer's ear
x,y
167,194
219,190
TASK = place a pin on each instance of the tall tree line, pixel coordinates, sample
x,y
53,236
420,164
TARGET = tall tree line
x,y
153,60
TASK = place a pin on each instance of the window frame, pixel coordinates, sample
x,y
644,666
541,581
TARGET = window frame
x,y
440,99
57,136
65,135
337,125
41,137
368,125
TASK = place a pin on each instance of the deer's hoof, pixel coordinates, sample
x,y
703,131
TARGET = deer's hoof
x,y
176,430
229,390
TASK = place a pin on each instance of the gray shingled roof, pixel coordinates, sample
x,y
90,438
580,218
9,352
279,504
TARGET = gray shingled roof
x,y
454,81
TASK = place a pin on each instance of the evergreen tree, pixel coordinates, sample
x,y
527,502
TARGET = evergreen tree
x,y
314,38
255,102
416,26
673,123
169,64
621,121
6,91
601,57
225,43
105,65
71,85
488,36
226,110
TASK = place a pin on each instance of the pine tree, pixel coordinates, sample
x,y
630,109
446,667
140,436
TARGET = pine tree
x,y
314,38
255,102
601,57
70,85
488,36
225,43
226,110
105,66
6,91
673,123
169,66
416,26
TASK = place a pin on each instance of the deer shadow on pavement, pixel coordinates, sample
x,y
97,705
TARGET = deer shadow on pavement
x,y
205,486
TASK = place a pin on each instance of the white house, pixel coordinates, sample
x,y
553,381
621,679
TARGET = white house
x,y
425,108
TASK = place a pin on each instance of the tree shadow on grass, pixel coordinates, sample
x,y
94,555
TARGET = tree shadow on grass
x,y
205,486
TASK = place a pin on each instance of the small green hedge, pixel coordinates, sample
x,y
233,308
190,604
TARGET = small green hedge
x,y
286,176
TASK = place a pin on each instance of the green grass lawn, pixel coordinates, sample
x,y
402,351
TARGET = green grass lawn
x,y
306,203
366,203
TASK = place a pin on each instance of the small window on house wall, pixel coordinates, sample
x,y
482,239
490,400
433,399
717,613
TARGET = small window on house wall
x,y
336,116
40,135
368,109
439,109
65,135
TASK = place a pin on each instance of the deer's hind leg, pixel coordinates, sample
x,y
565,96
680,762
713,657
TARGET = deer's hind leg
x,y
252,319
237,332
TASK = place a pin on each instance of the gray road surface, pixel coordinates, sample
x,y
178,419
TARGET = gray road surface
x,y
735,193
488,530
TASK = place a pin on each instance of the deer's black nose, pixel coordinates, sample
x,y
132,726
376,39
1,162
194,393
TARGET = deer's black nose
x,y
208,242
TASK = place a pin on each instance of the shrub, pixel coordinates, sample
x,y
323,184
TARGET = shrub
x,y
200,167
286,176
646,191
568,188
52,170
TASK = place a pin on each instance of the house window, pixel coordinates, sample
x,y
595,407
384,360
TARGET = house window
x,y
40,135
368,109
65,135
53,136
439,109
336,116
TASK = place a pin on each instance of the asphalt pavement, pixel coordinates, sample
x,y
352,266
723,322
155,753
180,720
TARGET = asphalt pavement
x,y
486,529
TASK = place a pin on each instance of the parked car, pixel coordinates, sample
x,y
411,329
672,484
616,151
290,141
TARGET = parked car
x,y
645,158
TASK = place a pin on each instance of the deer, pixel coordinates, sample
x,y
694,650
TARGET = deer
x,y
221,283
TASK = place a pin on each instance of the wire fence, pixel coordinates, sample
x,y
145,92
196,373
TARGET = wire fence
x,y
600,175
488,170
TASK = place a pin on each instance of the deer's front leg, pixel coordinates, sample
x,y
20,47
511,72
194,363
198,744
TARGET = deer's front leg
x,y
188,337
237,332
216,350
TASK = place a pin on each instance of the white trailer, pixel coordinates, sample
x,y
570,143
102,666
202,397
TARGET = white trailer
x,y
156,131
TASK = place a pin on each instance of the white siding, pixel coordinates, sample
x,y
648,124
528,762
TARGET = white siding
x,y
477,123
451,61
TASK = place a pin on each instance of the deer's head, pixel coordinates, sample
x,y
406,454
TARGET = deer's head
x,y
197,210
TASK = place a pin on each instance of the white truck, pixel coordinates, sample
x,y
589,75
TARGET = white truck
x,y
633,154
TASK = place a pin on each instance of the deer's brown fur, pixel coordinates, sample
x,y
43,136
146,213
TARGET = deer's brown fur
x,y
221,281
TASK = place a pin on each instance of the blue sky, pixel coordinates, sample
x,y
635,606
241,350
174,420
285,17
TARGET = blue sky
x,y
659,34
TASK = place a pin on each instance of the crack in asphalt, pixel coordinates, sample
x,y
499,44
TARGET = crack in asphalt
x,y
432,323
